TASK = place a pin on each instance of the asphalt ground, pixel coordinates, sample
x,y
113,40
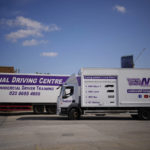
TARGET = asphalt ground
x,y
26,131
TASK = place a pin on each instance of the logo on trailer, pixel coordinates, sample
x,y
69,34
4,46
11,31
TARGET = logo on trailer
x,y
138,81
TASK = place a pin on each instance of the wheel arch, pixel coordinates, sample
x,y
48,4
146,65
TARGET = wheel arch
x,y
74,106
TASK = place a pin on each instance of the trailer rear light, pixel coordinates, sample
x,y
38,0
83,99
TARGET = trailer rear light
x,y
15,109
15,106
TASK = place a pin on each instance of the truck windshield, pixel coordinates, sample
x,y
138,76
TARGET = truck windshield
x,y
68,91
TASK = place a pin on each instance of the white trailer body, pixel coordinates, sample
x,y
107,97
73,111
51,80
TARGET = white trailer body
x,y
20,90
114,89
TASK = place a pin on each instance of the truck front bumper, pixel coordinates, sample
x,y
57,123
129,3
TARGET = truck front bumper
x,y
62,111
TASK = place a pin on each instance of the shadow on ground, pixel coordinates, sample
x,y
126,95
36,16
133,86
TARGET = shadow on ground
x,y
32,116
81,119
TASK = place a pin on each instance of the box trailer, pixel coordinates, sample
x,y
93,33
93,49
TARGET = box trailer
x,y
30,91
109,90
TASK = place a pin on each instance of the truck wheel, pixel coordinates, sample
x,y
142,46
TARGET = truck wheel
x,y
73,114
144,114
38,109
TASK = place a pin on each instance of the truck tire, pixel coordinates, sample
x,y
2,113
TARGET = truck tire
x,y
144,114
38,109
74,114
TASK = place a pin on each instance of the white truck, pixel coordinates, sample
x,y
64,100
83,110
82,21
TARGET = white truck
x,y
108,90
35,92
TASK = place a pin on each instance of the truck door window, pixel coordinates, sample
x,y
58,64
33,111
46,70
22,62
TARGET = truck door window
x,y
68,91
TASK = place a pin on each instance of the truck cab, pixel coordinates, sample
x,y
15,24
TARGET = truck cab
x,y
69,96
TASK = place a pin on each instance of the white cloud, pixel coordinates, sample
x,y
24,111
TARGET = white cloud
x,y
33,42
120,8
27,28
49,54
30,42
23,33
31,24
27,23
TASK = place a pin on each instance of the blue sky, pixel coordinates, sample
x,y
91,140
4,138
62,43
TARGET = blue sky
x,y
61,36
